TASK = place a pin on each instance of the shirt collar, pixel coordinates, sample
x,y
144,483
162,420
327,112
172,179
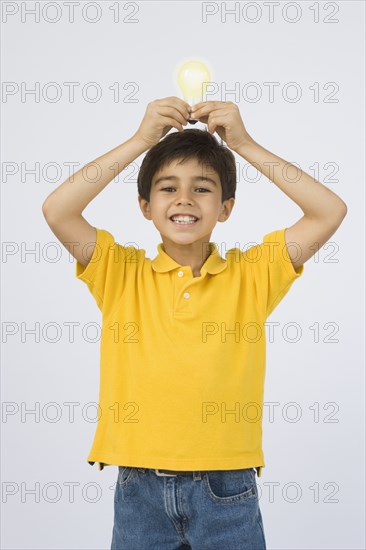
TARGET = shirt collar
x,y
213,264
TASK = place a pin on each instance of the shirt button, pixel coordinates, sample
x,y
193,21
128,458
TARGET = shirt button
x,y
186,295
180,273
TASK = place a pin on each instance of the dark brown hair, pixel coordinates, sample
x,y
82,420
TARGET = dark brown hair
x,y
189,144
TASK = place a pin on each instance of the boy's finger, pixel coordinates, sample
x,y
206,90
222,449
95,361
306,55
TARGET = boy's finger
x,y
204,108
183,103
183,107
199,105
209,104
197,111
177,103
204,112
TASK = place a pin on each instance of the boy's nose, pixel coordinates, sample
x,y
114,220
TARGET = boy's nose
x,y
184,199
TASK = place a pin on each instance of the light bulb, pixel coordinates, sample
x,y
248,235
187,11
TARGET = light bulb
x,y
193,77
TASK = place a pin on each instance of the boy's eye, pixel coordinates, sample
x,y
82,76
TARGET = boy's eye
x,y
204,189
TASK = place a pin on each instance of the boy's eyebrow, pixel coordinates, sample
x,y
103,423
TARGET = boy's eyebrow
x,y
194,178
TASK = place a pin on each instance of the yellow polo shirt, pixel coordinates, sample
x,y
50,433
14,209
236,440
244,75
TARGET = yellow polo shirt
x,y
182,358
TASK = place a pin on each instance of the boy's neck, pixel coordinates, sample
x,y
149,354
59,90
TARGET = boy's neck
x,y
193,254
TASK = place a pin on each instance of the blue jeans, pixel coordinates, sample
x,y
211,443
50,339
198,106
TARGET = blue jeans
x,y
217,509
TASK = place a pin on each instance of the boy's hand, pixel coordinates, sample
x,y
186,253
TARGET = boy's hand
x,y
162,115
224,118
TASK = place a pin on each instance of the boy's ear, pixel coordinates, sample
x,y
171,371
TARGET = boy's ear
x,y
145,207
227,207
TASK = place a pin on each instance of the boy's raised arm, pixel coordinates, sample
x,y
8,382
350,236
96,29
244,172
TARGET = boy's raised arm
x,y
72,196
323,209
63,208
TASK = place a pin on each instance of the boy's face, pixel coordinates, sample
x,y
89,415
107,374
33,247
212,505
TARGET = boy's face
x,y
186,191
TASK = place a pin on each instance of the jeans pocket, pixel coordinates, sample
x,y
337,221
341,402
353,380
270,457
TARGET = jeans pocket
x,y
228,486
124,475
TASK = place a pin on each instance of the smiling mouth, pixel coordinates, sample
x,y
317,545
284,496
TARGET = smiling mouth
x,y
178,222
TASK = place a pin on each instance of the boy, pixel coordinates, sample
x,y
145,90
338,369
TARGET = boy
x,y
183,339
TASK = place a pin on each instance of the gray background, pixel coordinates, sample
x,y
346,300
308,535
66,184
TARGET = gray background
x,y
314,465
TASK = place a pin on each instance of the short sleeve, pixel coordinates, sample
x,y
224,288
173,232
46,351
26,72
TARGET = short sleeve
x,y
107,269
273,271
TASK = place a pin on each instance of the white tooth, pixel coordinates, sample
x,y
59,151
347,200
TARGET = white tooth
x,y
184,218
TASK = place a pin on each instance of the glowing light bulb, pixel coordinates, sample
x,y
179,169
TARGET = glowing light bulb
x,y
193,77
